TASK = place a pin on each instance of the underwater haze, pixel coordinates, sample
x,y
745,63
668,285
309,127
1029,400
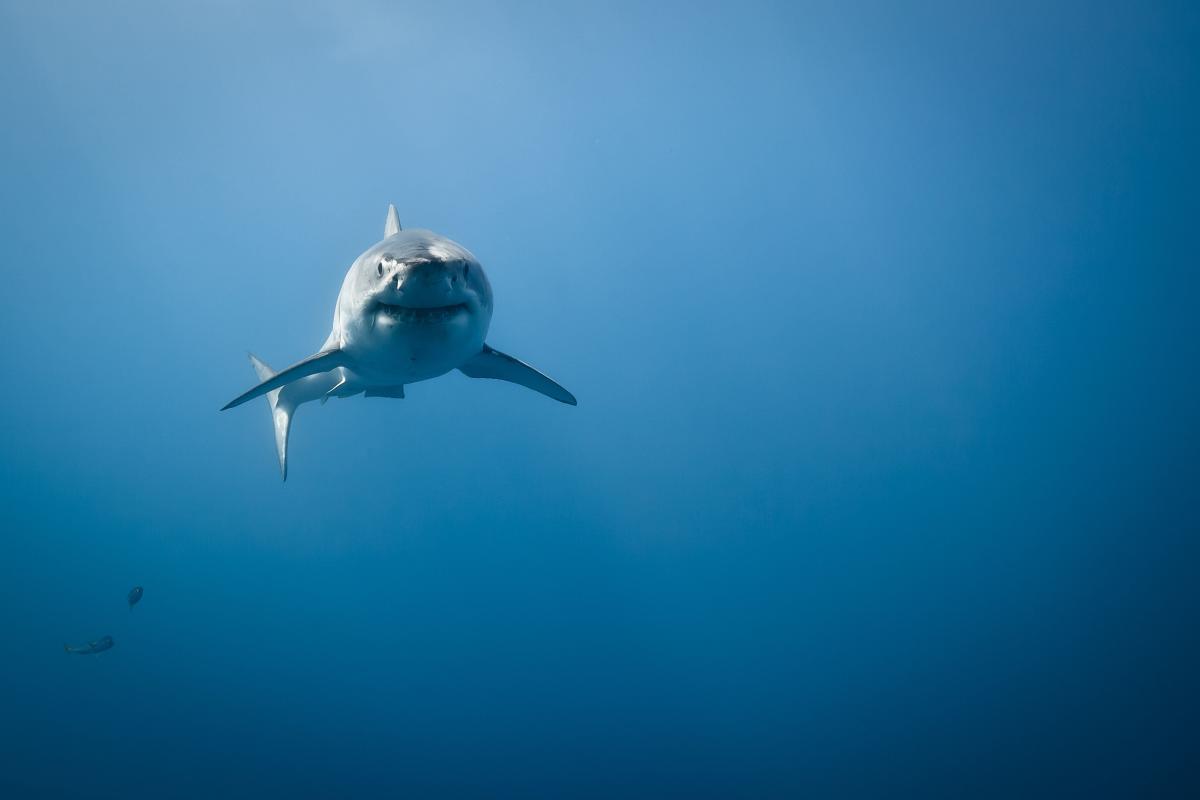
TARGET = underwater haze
x,y
883,322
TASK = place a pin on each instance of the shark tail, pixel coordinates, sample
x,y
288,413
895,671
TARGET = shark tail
x,y
281,414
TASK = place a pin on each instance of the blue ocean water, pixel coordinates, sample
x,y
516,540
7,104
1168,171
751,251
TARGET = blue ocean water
x,y
883,322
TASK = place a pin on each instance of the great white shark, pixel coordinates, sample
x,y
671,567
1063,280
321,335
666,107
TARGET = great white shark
x,y
413,306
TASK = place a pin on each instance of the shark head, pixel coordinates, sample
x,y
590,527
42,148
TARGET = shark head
x,y
417,299
441,286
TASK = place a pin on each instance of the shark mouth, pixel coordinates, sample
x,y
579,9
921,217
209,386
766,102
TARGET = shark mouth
x,y
421,315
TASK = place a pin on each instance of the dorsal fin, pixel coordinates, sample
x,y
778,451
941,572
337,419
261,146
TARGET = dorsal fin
x,y
392,226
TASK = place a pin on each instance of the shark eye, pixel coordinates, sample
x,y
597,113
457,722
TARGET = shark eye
x,y
466,271
379,269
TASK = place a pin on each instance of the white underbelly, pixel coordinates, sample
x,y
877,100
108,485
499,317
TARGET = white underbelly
x,y
416,353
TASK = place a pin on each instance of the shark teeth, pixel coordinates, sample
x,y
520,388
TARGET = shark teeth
x,y
420,315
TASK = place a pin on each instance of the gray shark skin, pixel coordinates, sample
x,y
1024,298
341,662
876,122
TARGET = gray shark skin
x,y
91,648
413,306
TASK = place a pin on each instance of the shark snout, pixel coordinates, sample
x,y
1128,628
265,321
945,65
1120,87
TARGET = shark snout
x,y
426,284
424,281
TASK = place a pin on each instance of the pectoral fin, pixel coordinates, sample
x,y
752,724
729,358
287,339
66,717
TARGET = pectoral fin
x,y
321,362
494,364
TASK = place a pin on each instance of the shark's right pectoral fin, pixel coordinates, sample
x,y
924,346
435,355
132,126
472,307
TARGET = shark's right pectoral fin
x,y
490,363
321,362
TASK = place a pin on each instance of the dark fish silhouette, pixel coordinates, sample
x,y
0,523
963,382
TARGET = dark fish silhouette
x,y
98,646
135,594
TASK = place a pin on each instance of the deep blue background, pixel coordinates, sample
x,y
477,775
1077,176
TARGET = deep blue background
x,y
883,480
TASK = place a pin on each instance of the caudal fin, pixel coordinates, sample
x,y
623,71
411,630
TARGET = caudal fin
x,y
281,414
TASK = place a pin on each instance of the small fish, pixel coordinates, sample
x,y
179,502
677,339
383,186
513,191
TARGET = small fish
x,y
135,594
98,646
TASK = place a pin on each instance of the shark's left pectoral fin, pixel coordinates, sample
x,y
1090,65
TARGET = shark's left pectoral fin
x,y
494,364
321,362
